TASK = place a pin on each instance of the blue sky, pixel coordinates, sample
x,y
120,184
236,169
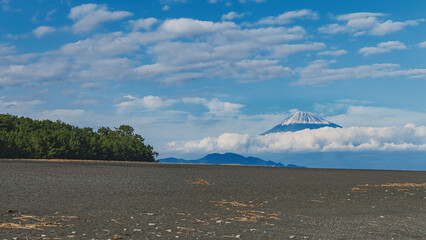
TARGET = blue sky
x,y
183,73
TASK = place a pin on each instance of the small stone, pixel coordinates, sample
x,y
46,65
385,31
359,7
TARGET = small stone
x,y
10,211
292,236
382,216
73,232
228,222
252,230
158,235
151,224
218,221
43,236
238,236
137,230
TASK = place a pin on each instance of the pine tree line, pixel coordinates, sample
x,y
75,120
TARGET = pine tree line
x,y
34,139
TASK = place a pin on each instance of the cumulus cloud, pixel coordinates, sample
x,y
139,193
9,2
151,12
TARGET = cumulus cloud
x,y
193,27
334,53
144,23
422,44
43,70
383,47
319,73
6,49
367,23
357,115
220,108
285,50
232,15
325,139
289,17
147,103
43,30
88,16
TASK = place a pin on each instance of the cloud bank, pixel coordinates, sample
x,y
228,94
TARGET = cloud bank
x,y
407,138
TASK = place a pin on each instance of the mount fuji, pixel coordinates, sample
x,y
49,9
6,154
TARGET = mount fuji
x,y
299,121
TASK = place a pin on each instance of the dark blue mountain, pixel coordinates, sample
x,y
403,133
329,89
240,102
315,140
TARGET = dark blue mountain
x,y
228,158
299,121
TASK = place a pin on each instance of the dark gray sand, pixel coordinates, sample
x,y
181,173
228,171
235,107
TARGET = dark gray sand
x,y
101,200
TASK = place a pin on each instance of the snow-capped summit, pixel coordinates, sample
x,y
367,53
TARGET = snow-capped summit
x,y
304,118
299,121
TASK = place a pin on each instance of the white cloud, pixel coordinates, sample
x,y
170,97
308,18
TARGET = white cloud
x,y
232,15
219,108
144,23
43,70
383,47
319,73
325,139
146,103
333,53
166,8
43,30
367,23
187,27
289,17
87,17
422,44
356,115
257,70
6,49
285,50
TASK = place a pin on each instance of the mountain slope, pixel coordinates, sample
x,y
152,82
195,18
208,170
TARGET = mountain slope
x,y
227,158
299,121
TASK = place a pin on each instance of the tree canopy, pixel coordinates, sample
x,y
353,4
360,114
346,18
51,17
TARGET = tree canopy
x,y
22,137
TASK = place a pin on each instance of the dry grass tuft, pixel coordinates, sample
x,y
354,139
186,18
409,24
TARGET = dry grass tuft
x,y
402,185
199,181
37,223
357,189
233,204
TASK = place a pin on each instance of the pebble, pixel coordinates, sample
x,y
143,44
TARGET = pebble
x,y
151,224
43,236
137,230
238,236
292,236
252,230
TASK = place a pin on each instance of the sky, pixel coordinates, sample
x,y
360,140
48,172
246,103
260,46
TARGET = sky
x,y
200,76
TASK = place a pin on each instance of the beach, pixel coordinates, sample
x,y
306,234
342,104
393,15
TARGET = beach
x,y
133,200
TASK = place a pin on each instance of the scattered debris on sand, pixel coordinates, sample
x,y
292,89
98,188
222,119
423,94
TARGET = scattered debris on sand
x,y
199,181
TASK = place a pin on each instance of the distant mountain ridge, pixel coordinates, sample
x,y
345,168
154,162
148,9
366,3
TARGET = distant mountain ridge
x,y
228,158
300,121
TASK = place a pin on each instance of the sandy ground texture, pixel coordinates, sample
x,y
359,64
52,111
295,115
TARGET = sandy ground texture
x,y
111,200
